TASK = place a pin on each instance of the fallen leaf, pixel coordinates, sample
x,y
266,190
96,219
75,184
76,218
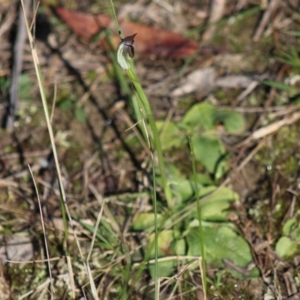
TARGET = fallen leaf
x,y
84,25
234,81
18,248
149,42
202,80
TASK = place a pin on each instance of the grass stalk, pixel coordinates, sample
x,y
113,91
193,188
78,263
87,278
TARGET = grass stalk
x,y
44,233
201,235
155,140
63,202
48,121
156,279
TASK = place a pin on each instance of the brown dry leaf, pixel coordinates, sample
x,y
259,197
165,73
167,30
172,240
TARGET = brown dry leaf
x,y
84,25
149,42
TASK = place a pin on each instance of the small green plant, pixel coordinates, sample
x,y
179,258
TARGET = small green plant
x,y
290,86
288,244
70,103
197,233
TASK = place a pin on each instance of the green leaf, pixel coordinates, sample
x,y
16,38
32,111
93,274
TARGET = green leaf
x,y
221,242
199,116
170,135
4,84
204,179
25,85
291,228
296,234
216,207
80,114
288,226
66,104
211,153
145,221
233,121
206,116
179,247
166,267
106,236
286,247
281,86
165,239
182,190
181,187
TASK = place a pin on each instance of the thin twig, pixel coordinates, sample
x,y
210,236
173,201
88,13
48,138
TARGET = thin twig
x,y
265,20
102,203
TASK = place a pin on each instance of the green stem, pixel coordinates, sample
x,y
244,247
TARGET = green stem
x,y
201,235
155,138
156,296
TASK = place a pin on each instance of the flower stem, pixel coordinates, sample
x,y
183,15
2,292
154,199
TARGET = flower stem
x,y
144,103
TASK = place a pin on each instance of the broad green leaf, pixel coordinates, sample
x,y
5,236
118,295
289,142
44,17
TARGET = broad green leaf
x,y
286,247
204,179
165,239
181,187
233,121
206,116
182,190
211,153
179,247
199,116
216,207
296,234
221,242
289,226
144,221
165,267
170,135
66,104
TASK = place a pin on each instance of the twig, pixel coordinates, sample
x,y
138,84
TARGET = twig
x,y
271,128
216,13
265,20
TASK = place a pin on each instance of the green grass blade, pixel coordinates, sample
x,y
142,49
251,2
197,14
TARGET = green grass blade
x,y
201,236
